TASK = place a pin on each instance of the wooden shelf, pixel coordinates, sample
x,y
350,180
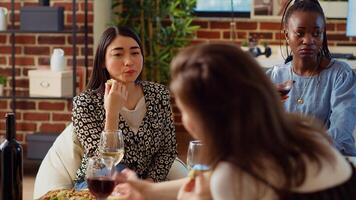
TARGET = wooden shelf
x,y
73,30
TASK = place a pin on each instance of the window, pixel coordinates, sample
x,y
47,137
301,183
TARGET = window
x,y
222,8
351,19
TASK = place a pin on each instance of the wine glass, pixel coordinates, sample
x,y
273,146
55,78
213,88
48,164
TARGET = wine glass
x,y
100,177
284,88
112,145
195,159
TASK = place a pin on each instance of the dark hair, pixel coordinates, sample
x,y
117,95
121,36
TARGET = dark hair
x,y
100,74
305,6
240,111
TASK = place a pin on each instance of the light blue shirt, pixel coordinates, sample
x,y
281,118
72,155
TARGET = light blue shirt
x,y
329,96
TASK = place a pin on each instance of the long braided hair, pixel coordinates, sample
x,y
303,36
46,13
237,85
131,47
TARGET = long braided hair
x,y
304,6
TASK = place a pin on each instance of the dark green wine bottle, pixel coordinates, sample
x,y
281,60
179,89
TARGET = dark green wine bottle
x,y
11,163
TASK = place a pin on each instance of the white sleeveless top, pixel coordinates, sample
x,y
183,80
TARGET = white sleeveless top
x,y
135,117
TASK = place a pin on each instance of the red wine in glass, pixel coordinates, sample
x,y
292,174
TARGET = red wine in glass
x,y
101,187
99,175
283,92
284,88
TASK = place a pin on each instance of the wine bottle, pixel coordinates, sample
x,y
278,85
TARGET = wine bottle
x,y
11,163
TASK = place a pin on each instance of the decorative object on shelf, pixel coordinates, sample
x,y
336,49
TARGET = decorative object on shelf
x,y
44,2
244,45
334,8
50,84
57,60
42,18
255,50
3,18
3,80
163,26
267,9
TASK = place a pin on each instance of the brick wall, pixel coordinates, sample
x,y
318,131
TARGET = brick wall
x,y
266,31
33,50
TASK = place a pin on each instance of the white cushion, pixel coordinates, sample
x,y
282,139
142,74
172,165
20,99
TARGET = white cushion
x,y
178,170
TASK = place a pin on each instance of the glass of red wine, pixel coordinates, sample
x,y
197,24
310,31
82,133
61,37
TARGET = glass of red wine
x,y
284,88
100,177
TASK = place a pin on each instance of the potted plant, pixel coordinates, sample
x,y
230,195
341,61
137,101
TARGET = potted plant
x,y
2,84
164,26
244,45
334,8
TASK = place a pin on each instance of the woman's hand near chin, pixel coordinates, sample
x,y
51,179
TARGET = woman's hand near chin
x,y
115,97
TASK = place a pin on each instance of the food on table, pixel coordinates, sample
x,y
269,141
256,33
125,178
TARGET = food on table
x,y
110,81
68,194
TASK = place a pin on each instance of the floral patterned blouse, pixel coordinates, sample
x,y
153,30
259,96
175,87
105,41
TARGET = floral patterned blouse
x,y
150,152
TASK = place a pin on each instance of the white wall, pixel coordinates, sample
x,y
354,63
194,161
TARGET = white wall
x,y
102,17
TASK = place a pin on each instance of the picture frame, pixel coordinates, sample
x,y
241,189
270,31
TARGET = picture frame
x,y
335,9
273,9
268,9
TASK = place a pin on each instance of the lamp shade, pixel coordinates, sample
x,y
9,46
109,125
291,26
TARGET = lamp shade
x,y
351,19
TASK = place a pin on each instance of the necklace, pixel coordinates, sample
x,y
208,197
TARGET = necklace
x,y
300,99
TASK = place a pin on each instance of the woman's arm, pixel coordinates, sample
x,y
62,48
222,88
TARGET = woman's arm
x,y
114,99
164,190
165,156
343,112
88,116
144,190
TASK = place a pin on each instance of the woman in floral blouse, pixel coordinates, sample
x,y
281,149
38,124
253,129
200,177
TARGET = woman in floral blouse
x,y
140,109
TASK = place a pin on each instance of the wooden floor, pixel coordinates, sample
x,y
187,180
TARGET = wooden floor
x,y
30,171
28,183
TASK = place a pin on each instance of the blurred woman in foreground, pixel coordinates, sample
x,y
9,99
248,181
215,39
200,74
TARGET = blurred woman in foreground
x,y
255,149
